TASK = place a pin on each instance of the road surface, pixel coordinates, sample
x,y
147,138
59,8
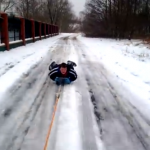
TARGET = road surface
x,y
93,113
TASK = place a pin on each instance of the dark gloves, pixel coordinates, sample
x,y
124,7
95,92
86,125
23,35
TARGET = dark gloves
x,y
67,81
57,79
62,80
71,63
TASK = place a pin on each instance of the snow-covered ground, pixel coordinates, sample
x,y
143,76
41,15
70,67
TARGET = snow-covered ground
x,y
17,62
128,79
113,77
128,60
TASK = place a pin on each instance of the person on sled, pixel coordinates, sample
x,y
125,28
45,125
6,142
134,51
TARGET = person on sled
x,y
63,73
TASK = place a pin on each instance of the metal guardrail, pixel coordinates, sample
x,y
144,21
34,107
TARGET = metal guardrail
x,y
14,29
1,19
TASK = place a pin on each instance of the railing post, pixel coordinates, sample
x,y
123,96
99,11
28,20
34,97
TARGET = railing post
x,y
48,30
45,30
52,30
40,30
57,30
4,32
22,32
33,29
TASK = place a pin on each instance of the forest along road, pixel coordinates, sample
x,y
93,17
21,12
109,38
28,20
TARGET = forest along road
x,y
93,113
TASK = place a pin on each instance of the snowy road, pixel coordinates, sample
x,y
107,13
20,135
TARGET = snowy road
x,y
26,110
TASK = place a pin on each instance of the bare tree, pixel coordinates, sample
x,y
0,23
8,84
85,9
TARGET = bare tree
x,y
31,9
117,18
57,9
23,7
6,5
57,12
60,13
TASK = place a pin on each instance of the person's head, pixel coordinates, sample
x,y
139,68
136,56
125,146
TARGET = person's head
x,y
63,68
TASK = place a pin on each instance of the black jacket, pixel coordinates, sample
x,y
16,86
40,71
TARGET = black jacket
x,y
71,73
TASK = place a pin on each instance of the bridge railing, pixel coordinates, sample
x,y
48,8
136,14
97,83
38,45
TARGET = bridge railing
x,y
17,31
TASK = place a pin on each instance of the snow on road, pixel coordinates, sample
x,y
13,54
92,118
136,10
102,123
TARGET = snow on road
x,y
113,97
68,130
16,63
98,111
129,62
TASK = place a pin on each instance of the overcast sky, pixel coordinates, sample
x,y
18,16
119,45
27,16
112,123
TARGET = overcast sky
x,y
78,5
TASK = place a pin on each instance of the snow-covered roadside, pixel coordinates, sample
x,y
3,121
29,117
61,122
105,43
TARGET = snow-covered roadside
x,y
134,74
37,52
123,59
8,59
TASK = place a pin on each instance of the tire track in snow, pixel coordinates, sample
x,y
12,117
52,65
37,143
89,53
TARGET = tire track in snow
x,y
90,132
110,109
28,118
23,101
